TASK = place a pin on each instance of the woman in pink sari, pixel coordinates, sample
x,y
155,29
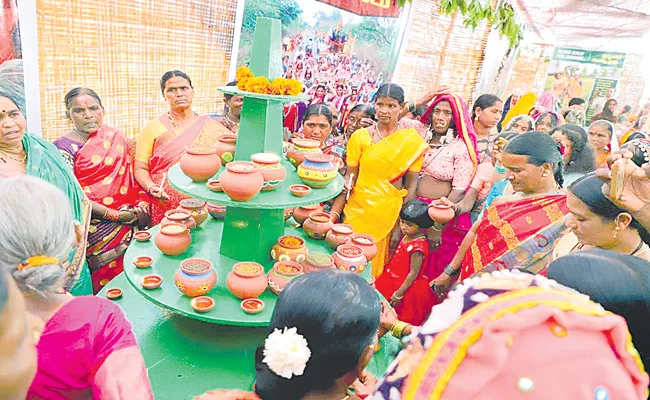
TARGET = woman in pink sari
x,y
163,141
87,348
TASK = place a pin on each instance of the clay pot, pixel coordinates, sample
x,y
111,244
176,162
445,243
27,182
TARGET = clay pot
x,y
195,277
200,164
317,226
246,280
318,170
142,236
226,147
367,243
114,293
252,306
297,150
173,239
288,213
441,211
317,262
289,248
271,169
299,190
142,261
241,180
300,214
282,273
215,186
179,216
197,209
338,235
349,257
151,282
216,211
202,304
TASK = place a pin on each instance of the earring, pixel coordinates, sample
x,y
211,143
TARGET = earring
x,y
545,174
615,232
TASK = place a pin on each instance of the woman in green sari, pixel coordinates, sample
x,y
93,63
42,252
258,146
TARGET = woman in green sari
x,y
24,154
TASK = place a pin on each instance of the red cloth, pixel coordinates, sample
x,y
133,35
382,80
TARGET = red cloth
x,y
418,300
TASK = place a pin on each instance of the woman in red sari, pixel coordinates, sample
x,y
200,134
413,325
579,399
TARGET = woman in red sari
x,y
163,141
518,230
101,159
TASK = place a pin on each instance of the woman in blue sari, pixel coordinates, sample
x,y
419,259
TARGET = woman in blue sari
x,y
24,154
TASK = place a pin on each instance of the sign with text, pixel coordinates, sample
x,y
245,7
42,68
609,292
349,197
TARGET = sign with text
x,y
612,60
368,8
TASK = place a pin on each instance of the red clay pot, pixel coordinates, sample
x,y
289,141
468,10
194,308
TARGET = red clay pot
x,y
197,209
301,214
173,239
441,211
317,262
317,226
338,235
252,306
217,211
297,150
241,180
202,304
349,257
195,277
179,216
282,273
271,169
367,244
289,248
226,147
200,164
246,280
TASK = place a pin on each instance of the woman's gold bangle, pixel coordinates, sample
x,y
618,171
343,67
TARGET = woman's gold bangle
x,y
398,329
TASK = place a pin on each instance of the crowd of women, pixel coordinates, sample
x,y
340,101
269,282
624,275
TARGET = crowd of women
x,y
538,229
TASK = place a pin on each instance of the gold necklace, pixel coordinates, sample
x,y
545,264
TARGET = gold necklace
x,y
22,160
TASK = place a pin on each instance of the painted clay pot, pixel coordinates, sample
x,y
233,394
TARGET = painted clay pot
x,y
317,262
197,209
241,180
367,243
301,214
200,164
282,273
338,235
441,211
195,277
179,216
317,226
246,280
349,257
289,248
173,239
318,170
297,150
216,211
226,147
271,169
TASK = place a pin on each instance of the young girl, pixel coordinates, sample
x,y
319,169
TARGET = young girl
x,y
403,281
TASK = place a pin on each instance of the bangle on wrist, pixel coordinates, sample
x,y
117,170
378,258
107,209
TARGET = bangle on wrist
x,y
451,271
111,215
151,187
398,329
337,214
397,297
437,227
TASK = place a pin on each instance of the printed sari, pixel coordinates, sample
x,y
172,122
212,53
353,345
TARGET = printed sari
x,y
374,203
167,151
45,162
517,232
87,350
103,166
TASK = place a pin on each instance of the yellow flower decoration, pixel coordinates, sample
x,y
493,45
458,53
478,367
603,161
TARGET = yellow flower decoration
x,y
260,84
180,286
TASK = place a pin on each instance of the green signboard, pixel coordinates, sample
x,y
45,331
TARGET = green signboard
x,y
613,60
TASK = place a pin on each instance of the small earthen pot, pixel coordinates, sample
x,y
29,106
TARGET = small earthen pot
x,y
114,293
197,210
282,273
252,306
301,214
297,150
247,280
179,216
271,169
173,239
202,304
151,282
367,244
226,147
200,164
195,277
338,235
318,262
441,211
142,236
289,248
216,211
317,226
142,261
214,186
318,170
288,213
241,180
299,190
349,257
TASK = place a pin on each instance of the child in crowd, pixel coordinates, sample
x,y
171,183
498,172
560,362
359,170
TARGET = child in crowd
x,y
403,281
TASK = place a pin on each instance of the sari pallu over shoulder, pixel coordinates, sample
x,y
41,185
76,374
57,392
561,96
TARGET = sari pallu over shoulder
x,y
45,162
517,232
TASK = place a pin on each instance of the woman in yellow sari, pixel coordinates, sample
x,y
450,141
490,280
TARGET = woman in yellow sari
x,y
383,167
163,141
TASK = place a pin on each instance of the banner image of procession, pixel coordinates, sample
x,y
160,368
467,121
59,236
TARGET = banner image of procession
x,y
11,63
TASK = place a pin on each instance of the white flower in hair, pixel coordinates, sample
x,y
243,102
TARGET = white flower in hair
x,y
286,352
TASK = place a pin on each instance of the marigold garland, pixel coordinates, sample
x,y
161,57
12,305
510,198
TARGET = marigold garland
x,y
260,84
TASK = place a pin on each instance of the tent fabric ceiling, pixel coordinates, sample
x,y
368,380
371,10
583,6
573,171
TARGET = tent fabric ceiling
x,y
606,23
